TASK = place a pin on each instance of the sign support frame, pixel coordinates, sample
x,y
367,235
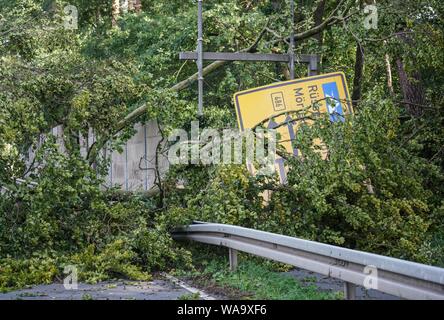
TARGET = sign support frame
x,y
199,56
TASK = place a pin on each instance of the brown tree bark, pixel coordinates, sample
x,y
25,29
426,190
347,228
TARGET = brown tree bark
x,y
388,68
138,6
277,4
115,12
318,18
130,5
359,65
359,70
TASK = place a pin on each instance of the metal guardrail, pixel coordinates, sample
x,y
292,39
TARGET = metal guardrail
x,y
20,181
401,278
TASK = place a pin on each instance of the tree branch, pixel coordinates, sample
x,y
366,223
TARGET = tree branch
x,y
131,117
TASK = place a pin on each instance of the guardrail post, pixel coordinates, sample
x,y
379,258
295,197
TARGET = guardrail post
x,y
349,291
233,259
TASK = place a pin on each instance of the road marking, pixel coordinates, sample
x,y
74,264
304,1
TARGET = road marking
x,y
182,284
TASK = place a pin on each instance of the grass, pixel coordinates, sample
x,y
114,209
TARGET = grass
x,y
254,279
437,245
189,296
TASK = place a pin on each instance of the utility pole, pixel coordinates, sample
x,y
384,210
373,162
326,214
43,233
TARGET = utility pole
x,y
311,60
200,78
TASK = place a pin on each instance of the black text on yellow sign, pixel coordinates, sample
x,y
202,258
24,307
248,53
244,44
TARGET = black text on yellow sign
x,y
283,106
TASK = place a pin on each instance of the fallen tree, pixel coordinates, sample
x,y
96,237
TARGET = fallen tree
x,y
335,17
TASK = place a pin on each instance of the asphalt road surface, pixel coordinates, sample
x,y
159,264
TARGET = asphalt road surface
x,y
325,283
115,290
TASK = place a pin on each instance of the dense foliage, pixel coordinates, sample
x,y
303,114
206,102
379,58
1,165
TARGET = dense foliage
x,y
380,189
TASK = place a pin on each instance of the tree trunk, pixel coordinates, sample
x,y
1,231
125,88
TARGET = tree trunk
x,y
124,6
280,68
411,84
318,18
115,12
277,5
130,5
138,5
388,68
412,90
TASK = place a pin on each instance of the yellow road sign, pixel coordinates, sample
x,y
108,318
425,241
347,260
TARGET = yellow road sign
x,y
284,106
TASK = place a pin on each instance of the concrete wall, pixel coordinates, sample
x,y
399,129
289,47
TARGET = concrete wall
x,y
131,170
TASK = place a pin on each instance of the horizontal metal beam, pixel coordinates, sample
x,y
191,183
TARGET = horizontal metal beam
x,y
401,278
242,56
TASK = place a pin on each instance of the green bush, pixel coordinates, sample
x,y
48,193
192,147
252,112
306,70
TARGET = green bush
x,y
68,219
117,260
370,193
230,197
